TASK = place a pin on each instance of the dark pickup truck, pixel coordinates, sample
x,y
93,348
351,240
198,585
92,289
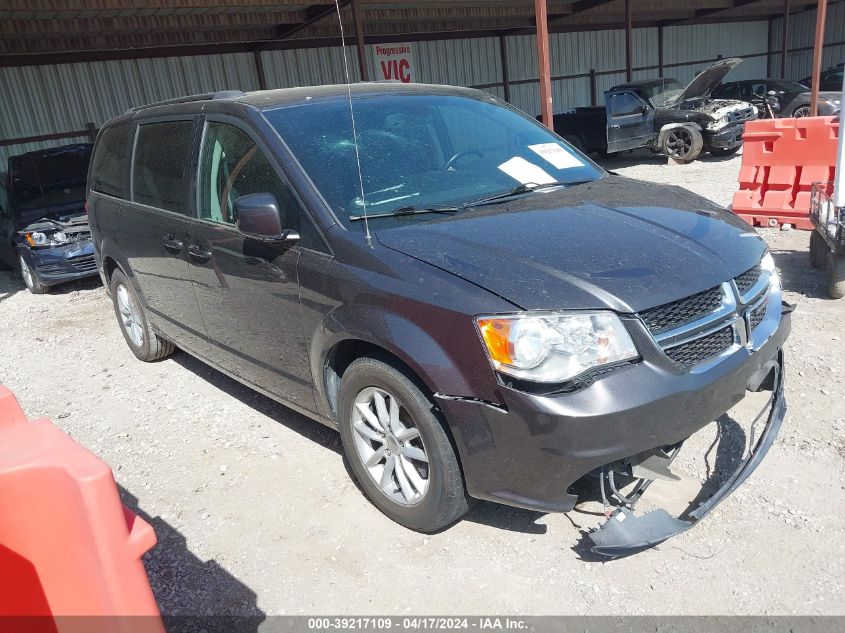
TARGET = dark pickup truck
x,y
662,115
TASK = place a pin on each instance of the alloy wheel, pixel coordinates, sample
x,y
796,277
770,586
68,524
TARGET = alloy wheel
x,y
801,112
130,318
390,446
26,273
679,143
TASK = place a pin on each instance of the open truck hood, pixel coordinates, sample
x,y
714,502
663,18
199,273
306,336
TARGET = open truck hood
x,y
614,243
708,79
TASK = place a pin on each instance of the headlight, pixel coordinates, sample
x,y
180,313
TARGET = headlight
x,y
37,238
767,264
718,123
550,348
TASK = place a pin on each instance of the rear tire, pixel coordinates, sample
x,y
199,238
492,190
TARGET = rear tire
x,y
30,279
682,144
835,275
818,250
137,331
801,111
398,448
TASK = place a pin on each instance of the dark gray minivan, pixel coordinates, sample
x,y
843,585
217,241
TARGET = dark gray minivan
x,y
480,310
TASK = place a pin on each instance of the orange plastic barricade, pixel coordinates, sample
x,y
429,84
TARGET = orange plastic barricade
x,y
68,546
781,159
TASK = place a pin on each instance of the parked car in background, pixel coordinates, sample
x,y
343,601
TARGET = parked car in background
x,y
662,115
790,98
480,310
44,228
830,80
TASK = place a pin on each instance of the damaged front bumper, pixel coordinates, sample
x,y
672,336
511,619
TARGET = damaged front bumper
x,y
624,533
728,137
60,264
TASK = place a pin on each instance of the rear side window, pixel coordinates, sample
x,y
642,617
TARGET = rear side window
x,y
110,165
160,173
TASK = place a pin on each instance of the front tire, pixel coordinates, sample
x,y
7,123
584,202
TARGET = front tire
x,y
682,144
398,448
801,111
139,335
30,279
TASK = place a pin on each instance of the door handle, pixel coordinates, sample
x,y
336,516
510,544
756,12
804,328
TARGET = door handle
x,y
615,126
172,244
198,253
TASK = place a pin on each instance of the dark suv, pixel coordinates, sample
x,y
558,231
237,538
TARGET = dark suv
x,y
43,228
480,309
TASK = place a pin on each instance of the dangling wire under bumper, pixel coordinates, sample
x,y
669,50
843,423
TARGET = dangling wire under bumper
x,y
625,533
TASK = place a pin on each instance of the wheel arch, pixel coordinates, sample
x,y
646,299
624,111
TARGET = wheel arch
x,y
355,331
671,126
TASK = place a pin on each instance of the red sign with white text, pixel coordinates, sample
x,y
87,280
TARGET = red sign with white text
x,y
394,62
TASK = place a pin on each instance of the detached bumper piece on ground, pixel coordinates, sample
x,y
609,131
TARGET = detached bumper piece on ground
x,y
625,533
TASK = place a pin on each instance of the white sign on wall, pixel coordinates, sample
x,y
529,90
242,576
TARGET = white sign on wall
x,y
394,62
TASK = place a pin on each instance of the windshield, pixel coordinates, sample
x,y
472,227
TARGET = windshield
x,y
55,178
422,151
661,93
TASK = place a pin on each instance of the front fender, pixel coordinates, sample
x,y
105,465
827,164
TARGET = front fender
x,y
427,357
671,126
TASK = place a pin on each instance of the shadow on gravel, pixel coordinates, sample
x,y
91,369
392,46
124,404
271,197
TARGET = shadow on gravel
x,y
730,448
10,284
645,157
798,276
89,283
306,427
192,594
506,518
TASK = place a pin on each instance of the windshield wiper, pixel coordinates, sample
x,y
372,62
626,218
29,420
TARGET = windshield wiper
x,y
407,210
518,191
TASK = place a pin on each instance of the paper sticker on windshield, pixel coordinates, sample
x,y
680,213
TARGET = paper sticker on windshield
x,y
524,172
556,154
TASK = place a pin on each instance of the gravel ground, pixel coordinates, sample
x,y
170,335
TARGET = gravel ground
x,y
255,513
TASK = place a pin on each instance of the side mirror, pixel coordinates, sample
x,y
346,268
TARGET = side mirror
x,y
257,215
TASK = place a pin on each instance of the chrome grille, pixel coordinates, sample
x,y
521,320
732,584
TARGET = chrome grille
x,y
83,263
670,316
746,280
746,114
696,330
758,314
702,349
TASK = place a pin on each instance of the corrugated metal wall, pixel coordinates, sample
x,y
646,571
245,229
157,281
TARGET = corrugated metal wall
x,y
802,35
46,99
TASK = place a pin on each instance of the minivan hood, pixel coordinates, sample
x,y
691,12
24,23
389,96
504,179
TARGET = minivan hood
x,y
614,243
708,79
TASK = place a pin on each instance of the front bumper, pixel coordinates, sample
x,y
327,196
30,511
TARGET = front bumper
x,y
60,264
624,533
727,138
529,452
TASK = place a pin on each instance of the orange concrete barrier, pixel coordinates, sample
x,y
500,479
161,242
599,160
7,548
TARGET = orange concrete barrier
x,y
68,546
781,159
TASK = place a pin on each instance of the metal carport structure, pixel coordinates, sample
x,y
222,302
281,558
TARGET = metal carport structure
x,y
65,64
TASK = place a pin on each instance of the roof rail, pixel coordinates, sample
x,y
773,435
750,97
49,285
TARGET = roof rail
x,y
206,96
